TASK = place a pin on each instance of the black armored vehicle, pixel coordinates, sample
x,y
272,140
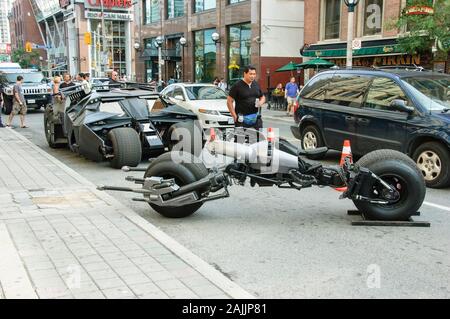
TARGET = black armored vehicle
x,y
120,125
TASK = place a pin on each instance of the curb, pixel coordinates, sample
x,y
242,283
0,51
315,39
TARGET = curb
x,y
209,272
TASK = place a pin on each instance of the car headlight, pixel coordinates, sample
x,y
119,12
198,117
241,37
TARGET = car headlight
x,y
210,112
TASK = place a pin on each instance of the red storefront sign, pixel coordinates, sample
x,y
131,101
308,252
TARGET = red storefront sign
x,y
419,10
109,4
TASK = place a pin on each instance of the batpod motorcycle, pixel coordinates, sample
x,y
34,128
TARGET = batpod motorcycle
x,y
384,184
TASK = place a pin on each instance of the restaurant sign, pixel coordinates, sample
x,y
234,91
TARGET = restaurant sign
x,y
392,60
108,5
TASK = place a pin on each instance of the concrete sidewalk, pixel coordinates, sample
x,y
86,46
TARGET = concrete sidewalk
x,y
276,115
62,238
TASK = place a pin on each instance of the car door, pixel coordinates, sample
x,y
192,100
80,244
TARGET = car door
x,y
379,125
344,98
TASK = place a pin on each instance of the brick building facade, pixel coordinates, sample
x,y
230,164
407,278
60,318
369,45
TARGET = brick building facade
x,y
267,34
374,25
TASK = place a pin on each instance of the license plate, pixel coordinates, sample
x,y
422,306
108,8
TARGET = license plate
x,y
230,121
31,101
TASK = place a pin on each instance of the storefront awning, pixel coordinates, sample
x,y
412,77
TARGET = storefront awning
x,y
339,50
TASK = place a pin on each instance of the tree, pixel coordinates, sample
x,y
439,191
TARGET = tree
x,y
25,59
424,31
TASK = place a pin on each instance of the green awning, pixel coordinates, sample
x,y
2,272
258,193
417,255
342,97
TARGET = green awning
x,y
341,53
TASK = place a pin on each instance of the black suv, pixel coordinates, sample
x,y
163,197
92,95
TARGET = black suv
x,y
404,110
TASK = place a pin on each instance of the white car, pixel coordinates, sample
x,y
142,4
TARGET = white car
x,y
207,101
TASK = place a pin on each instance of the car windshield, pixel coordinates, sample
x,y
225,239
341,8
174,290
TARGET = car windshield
x,y
432,91
27,77
205,93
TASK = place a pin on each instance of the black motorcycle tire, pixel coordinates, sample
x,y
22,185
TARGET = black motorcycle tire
x,y
399,171
185,172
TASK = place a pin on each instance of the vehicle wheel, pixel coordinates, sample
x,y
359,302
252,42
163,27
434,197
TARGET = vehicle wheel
x,y
433,161
49,129
184,172
399,171
7,105
126,147
312,139
188,132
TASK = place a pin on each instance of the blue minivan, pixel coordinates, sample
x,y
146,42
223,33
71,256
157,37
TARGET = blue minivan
x,y
404,110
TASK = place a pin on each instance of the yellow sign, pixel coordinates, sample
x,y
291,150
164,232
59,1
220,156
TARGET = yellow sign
x,y
28,47
87,38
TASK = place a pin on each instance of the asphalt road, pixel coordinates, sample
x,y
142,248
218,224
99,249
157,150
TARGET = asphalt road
x,y
287,244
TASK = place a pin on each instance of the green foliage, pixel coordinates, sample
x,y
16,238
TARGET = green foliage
x,y
25,59
424,31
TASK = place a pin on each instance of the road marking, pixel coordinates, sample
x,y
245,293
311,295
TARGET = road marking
x,y
437,206
274,118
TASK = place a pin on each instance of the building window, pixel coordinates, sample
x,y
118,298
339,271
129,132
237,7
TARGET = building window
x,y
175,8
152,11
373,17
111,52
332,19
204,56
202,5
235,1
239,50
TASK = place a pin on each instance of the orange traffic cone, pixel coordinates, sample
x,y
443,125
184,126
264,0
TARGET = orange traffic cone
x,y
346,152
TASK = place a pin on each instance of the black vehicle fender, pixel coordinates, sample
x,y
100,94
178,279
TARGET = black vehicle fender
x,y
426,135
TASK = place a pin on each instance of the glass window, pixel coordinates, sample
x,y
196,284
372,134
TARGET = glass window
x,y
110,53
347,90
175,8
205,93
332,19
316,87
235,1
202,5
178,92
433,92
373,16
204,56
239,50
152,11
382,92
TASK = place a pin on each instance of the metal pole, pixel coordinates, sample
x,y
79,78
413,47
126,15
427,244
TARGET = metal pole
x,y
159,65
182,66
103,33
350,38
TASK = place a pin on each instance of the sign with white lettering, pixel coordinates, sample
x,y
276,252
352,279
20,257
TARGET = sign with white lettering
x,y
108,5
108,15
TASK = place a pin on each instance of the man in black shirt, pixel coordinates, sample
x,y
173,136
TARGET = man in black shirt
x,y
67,81
248,98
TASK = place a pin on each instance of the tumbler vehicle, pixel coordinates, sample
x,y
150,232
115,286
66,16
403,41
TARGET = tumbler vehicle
x,y
120,125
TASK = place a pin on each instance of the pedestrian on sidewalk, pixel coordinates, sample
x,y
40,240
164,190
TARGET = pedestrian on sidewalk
x,y
19,104
290,95
248,98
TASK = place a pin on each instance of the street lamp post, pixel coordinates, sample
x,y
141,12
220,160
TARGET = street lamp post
x,y
183,43
159,42
351,4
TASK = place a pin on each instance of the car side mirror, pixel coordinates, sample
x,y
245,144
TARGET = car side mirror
x,y
179,97
400,105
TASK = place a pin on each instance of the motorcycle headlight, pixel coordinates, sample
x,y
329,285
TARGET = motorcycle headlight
x,y
210,112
